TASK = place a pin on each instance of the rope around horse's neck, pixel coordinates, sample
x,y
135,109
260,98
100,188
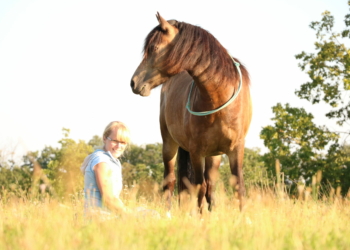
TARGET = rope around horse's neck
x,y
203,113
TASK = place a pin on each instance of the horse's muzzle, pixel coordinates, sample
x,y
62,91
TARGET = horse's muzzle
x,y
132,85
143,91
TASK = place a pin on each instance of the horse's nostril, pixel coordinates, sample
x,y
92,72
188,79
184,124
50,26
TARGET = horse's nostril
x,y
132,84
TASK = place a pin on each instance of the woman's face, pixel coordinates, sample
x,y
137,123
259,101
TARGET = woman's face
x,y
113,145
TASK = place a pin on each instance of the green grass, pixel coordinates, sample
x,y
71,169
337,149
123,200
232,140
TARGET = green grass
x,y
265,223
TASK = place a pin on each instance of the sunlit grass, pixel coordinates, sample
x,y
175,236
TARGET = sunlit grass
x,y
265,223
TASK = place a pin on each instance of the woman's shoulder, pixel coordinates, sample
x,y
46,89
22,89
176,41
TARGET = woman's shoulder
x,y
100,156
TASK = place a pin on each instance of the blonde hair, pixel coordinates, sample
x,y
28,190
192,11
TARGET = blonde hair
x,y
123,131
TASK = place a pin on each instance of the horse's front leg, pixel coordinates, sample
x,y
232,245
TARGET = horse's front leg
x,y
212,164
198,164
169,160
236,165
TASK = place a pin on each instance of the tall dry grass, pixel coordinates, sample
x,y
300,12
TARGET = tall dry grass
x,y
268,221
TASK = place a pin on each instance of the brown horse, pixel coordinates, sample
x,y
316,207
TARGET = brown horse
x,y
177,54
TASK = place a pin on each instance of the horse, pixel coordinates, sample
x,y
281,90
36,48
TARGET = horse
x,y
205,106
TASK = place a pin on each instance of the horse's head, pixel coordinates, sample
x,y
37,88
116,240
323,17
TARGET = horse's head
x,y
151,71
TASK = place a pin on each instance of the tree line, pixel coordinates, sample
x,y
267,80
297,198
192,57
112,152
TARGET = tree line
x,y
56,171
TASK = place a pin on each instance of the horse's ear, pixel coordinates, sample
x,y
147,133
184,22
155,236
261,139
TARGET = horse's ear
x,y
164,25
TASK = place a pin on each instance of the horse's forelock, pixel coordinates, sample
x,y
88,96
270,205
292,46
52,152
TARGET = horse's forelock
x,y
152,40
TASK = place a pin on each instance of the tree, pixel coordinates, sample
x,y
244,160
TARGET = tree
x,y
143,164
43,158
328,68
14,181
341,159
58,169
255,171
96,142
64,169
301,147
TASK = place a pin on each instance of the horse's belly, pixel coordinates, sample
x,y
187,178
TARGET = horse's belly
x,y
206,142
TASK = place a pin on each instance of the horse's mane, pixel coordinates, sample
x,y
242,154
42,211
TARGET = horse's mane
x,y
194,46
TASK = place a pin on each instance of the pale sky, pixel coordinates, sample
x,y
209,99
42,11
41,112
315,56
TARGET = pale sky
x,y
68,63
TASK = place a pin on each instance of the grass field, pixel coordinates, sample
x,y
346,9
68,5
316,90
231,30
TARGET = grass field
x,y
265,223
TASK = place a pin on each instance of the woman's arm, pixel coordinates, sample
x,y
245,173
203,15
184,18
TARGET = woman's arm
x,y
104,183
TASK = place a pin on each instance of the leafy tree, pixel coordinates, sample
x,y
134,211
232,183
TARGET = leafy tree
x,y
340,159
143,165
300,145
64,169
329,72
58,169
15,181
255,172
96,142
43,158
328,68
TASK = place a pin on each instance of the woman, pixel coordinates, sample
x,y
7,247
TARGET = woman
x,y
103,173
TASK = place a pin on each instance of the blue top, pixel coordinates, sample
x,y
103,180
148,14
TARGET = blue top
x,y
92,193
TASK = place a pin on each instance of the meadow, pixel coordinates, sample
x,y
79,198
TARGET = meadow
x,y
266,222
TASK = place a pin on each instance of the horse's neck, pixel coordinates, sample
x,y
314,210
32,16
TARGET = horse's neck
x,y
211,92
211,82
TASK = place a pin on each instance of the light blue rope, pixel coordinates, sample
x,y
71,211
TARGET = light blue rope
x,y
203,113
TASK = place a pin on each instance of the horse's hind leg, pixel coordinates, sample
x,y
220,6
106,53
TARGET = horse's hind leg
x,y
212,164
185,172
236,165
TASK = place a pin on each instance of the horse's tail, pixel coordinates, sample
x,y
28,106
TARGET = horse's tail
x,y
184,169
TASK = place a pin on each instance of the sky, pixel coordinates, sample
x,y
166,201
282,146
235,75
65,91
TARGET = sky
x,y
68,63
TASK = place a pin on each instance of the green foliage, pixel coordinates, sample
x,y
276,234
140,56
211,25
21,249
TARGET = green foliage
x,y
59,168
300,145
64,170
96,142
15,182
43,158
143,166
328,68
337,170
329,72
255,172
